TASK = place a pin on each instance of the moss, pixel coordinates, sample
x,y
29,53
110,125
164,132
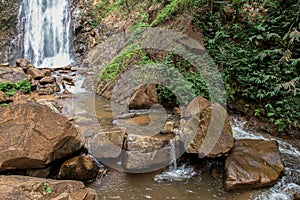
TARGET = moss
x,y
129,56
171,9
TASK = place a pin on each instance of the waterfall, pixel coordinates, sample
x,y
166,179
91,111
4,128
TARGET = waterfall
x,y
44,32
175,173
173,163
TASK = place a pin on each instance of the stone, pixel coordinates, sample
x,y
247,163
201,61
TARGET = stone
x,y
24,64
143,152
34,84
40,173
143,97
36,74
81,168
168,128
4,64
68,80
32,136
48,89
47,72
66,91
30,188
47,79
196,106
253,164
2,97
68,67
107,145
12,74
207,133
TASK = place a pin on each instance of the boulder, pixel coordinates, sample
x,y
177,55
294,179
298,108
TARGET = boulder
x,y
24,64
81,168
30,188
197,105
144,152
168,128
49,88
32,136
47,79
12,74
4,64
107,144
143,97
207,130
68,80
35,73
253,164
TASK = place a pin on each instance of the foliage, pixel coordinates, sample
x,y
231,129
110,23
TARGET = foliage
x,y
257,49
171,9
119,64
184,86
10,88
47,188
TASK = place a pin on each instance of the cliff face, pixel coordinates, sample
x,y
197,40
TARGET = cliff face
x,y
8,30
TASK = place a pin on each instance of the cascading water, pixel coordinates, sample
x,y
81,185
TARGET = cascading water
x,y
176,173
44,37
289,183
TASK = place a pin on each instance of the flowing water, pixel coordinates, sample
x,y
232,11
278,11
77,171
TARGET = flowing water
x,y
44,32
188,177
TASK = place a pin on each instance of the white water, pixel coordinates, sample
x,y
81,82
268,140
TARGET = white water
x,y
289,183
44,37
175,173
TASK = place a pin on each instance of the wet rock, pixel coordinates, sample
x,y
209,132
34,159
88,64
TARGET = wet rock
x,y
253,164
64,71
4,64
24,64
143,152
82,168
48,89
143,97
47,72
30,188
168,128
208,131
66,91
32,136
36,74
197,105
107,145
13,74
2,97
127,116
34,84
68,80
40,173
68,67
47,79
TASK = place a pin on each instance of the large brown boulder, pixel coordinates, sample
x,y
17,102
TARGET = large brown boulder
x,y
32,136
143,97
253,164
29,188
24,64
12,74
81,168
206,131
144,152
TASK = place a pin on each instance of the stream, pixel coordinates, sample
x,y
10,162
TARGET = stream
x,y
186,178
44,38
